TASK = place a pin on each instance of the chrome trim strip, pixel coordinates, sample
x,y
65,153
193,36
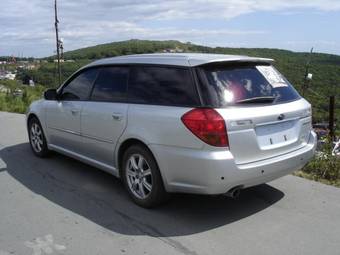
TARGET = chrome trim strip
x,y
65,130
97,138
276,122
82,135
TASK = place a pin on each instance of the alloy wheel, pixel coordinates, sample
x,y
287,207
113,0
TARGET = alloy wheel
x,y
139,176
36,137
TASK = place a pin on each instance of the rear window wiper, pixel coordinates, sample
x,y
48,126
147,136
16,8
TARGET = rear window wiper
x,y
266,99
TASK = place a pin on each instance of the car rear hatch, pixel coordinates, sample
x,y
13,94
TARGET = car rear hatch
x,y
261,132
265,116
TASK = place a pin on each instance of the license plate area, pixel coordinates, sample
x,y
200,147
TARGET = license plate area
x,y
277,135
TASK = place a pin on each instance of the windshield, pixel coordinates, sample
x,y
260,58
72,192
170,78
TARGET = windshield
x,y
246,85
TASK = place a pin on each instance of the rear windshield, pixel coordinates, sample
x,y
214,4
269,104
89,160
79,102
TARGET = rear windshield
x,y
249,84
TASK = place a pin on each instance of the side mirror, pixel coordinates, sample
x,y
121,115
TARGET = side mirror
x,y
51,94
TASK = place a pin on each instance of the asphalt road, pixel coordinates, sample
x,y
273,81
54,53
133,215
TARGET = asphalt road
x,y
60,206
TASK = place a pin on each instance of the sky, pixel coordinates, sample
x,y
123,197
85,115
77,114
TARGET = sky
x,y
27,27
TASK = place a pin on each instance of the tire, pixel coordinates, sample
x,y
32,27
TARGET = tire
x,y
37,138
142,178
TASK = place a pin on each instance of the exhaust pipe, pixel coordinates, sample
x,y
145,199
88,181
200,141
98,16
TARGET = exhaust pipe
x,y
234,192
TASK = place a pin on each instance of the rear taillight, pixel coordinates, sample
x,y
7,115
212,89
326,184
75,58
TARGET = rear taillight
x,y
208,125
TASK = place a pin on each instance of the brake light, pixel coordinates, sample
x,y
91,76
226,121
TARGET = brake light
x,y
208,125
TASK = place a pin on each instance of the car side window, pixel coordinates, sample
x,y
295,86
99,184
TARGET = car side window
x,y
162,86
79,88
111,84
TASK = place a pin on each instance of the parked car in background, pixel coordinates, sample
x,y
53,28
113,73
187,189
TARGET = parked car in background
x,y
164,123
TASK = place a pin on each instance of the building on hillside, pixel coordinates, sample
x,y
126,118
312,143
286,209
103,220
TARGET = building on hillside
x,y
175,50
56,61
5,75
10,76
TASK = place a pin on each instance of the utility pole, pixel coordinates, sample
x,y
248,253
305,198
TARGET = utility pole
x,y
57,40
307,78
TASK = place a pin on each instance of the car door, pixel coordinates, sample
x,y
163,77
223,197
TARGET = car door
x,y
104,116
63,115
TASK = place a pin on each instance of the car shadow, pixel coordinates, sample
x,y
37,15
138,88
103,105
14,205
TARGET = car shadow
x,y
101,198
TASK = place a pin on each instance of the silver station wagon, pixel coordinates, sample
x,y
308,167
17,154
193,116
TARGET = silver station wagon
x,y
164,123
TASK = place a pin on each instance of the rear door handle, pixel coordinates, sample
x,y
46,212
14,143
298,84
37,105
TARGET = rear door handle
x,y
74,111
117,116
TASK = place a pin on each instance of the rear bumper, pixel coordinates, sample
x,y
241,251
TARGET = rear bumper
x,y
215,172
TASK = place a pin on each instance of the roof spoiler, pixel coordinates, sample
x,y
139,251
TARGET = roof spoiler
x,y
246,61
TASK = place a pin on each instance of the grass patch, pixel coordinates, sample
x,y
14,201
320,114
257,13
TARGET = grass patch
x,y
9,102
324,167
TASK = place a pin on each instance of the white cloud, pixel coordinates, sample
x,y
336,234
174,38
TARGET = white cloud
x,y
190,9
97,21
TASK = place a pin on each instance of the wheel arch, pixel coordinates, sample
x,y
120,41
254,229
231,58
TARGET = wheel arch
x,y
124,146
128,143
31,116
